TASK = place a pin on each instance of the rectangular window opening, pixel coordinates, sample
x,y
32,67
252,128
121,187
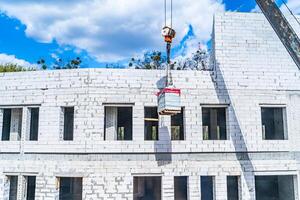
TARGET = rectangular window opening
x,y
70,188
180,187
13,187
34,124
118,123
275,187
12,124
232,187
151,123
177,126
147,188
30,187
273,123
214,123
68,120
207,188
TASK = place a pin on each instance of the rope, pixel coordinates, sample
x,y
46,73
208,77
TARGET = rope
x,y
171,13
291,12
165,12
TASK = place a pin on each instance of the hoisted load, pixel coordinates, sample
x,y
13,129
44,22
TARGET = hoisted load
x,y
169,97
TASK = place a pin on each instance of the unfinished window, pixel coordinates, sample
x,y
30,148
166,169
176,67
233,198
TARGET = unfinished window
x,y
30,187
70,188
12,124
275,187
145,188
151,123
273,123
207,188
177,126
34,124
13,187
232,187
214,123
180,187
68,113
118,123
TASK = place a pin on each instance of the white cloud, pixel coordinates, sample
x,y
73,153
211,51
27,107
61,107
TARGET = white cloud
x,y
5,59
294,5
110,29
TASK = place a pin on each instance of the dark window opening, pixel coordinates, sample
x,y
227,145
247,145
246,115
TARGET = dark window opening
x,y
151,123
34,124
273,123
207,188
177,126
13,187
180,187
31,180
12,124
68,123
70,188
274,187
147,188
118,123
232,187
214,123
6,124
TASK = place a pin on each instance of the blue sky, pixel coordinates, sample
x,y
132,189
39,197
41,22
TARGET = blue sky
x,y
102,32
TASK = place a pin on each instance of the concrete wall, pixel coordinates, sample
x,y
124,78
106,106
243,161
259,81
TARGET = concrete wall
x,y
251,69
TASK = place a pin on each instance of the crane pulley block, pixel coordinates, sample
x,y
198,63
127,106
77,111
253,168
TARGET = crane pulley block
x,y
168,33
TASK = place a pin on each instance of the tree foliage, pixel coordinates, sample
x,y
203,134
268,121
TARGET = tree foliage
x,y
59,63
10,67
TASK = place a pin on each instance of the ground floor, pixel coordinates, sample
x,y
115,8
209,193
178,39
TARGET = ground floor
x,y
263,176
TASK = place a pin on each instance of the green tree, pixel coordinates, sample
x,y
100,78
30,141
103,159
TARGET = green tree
x,y
11,67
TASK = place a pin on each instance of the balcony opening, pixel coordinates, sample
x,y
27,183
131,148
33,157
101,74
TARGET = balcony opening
x,y
214,123
118,123
70,188
34,124
12,124
180,187
151,123
232,187
147,188
275,187
68,113
273,123
177,126
207,187
30,185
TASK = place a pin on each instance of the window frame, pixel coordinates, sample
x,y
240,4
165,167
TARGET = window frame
x,y
147,119
183,126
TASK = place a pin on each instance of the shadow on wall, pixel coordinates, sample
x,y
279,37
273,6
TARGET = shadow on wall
x,y
236,136
163,146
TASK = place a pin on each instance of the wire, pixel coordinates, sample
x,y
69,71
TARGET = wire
x,y
171,13
165,12
291,12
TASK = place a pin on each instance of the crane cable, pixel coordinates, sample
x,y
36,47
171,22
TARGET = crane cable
x,y
291,12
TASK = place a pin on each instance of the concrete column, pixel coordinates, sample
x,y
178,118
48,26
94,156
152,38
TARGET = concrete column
x,y
168,188
220,187
194,188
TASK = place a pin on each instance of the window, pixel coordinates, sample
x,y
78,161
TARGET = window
x,y
147,188
232,187
273,123
180,187
274,187
214,123
68,123
207,188
118,123
34,124
12,124
151,123
70,188
30,185
13,187
177,126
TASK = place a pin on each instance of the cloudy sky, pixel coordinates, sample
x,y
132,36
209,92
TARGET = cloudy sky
x,y
105,31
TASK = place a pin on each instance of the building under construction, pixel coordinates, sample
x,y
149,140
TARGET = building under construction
x,y
96,134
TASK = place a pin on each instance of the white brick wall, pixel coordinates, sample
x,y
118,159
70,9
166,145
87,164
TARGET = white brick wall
x,y
252,68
